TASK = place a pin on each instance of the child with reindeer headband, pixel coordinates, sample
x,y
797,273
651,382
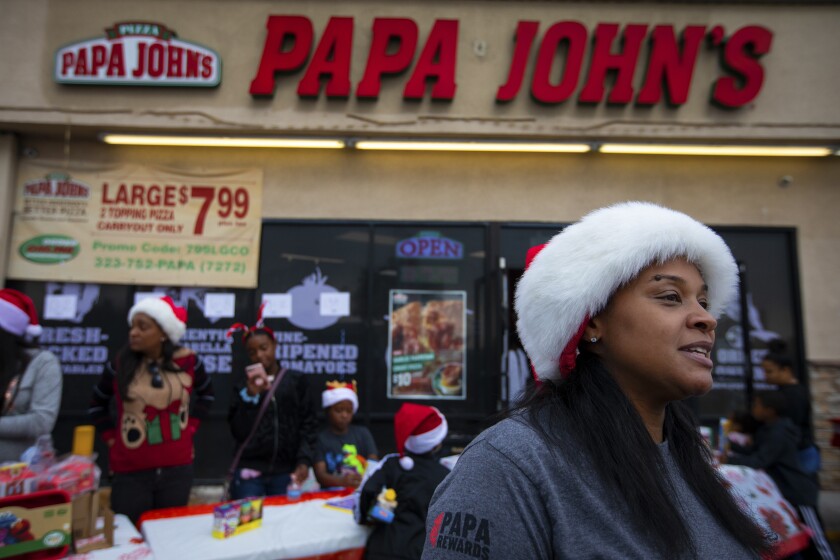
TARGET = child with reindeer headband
x,y
280,447
343,448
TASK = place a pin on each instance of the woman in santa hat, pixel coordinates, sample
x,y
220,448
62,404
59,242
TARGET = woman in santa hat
x,y
154,381
412,475
617,314
30,378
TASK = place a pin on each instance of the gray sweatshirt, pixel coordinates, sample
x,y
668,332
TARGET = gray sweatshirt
x,y
35,407
511,497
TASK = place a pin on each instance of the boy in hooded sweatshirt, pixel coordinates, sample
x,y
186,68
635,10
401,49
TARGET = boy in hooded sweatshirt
x,y
775,451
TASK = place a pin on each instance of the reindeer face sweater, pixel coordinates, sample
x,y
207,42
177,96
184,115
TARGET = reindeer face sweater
x,y
155,425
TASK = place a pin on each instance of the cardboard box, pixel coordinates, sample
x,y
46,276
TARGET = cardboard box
x,y
88,507
238,516
39,521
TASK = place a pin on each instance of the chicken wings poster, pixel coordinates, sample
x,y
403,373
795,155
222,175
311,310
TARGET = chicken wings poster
x,y
426,345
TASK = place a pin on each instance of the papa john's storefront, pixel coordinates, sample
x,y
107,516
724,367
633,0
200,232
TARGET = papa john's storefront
x,y
375,172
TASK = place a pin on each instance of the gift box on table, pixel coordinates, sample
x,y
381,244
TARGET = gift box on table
x,y
237,516
35,525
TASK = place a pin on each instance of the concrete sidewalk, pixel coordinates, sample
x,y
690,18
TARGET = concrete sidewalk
x,y
830,513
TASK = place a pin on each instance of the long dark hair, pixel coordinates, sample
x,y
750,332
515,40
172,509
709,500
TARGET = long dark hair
x,y
13,360
129,361
591,407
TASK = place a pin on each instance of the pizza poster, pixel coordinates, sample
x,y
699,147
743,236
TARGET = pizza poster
x,y
135,224
426,345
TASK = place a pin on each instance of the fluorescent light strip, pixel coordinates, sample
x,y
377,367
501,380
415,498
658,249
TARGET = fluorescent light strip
x,y
220,141
698,150
406,145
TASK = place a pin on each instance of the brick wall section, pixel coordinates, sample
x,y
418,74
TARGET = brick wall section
x,y
825,391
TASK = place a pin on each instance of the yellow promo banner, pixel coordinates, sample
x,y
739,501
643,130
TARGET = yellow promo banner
x,y
136,224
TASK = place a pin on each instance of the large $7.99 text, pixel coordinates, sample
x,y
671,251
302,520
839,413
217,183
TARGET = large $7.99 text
x,y
157,202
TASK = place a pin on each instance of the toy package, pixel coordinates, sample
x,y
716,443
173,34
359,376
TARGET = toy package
x,y
74,474
16,479
35,522
237,516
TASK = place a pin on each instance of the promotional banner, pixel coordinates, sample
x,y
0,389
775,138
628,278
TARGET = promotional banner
x,y
137,225
426,357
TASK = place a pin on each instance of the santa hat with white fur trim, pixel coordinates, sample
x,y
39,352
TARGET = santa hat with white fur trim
x,y
338,391
17,314
418,429
170,318
573,276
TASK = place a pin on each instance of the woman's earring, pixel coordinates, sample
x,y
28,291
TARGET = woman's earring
x,y
594,339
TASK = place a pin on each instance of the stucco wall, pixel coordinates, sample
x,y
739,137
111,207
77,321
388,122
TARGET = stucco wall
x,y
554,188
8,169
797,103
797,100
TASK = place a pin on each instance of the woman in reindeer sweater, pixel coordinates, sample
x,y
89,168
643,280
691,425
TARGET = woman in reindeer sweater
x,y
153,380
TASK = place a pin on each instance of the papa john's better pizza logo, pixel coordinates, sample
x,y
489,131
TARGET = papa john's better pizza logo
x,y
49,249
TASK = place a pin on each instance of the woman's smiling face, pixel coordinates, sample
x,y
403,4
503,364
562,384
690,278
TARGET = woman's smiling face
x,y
656,336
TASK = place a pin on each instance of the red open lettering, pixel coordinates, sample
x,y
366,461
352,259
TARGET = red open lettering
x,y
331,58
740,56
624,63
573,35
524,38
274,60
668,65
387,31
437,61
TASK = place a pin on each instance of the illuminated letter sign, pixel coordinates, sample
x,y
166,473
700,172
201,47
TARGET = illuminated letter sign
x,y
429,245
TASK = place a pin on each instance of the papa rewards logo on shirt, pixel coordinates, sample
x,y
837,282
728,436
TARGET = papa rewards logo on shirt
x,y
461,533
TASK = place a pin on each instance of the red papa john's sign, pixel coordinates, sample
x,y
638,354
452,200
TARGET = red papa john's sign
x,y
138,54
616,68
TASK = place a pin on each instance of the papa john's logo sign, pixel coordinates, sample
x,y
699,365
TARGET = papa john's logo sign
x,y
138,54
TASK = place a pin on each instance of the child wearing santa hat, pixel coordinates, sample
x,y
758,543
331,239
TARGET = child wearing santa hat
x,y
162,394
343,448
30,378
413,473
617,314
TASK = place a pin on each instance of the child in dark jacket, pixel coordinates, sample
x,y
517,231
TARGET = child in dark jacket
x,y
775,451
283,444
413,476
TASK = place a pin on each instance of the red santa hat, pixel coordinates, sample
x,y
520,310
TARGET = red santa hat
x,y
17,314
572,277
170,318
338,391
418,429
